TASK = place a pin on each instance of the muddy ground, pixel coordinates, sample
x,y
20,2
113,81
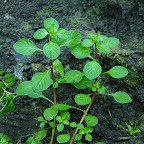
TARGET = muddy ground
x,y
123,19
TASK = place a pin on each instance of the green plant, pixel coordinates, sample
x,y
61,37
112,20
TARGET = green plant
x,y
6,97
57,116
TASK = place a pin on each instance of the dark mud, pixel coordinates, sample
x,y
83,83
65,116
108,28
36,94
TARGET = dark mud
x,y
122,19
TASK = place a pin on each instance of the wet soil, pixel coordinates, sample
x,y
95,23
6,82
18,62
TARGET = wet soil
x,y
122,19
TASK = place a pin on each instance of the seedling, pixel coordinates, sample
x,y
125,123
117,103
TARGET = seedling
x,y
7,81
58,116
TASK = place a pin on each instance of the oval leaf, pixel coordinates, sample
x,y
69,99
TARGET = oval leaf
x,y
25,88
51,25
121,97
51,50
40,34
59,67
92,70
40,135
113,42
118,72
25,47
41,81
62,107
87,43
88,137
63,138
91,120
82,99
50,113
73,76
81,52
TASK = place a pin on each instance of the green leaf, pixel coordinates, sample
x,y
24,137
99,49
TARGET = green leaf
x,y
118,72
102,90
78,136
40,119
59,67
25,47
52,124
40,33
1,72
112,42
82,99
73,76
83,84
1,84
81,52
50,113
51,25
80,126
41,81
62,107
82,132
103,47
88,129
66,122
9,106
60,127
91,120
101,38
51,50
25,88
73,124
4,139
8,75
42,125
66,116
11,80
31,140
121,97
40,135
61,37
74,39
63,138
92,70
87,43
88,137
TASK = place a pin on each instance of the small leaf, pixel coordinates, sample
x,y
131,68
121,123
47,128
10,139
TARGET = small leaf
x,y
40,34
73,76
9,106
59,67
91,120
88,137
40,119
31,140
87,43
82,99
4,139
42,125
121,97
83,84
25,47
118,72
66,116
66,122
40,135
73,124
1,72
113,42
60,127
25,88
8,75
81,52
62,107
51,25
52,124
11,80
103,47
88,129
41,81
50,113
78,136
1,84
63,138
80,126
51,50
82,132
92,70
102,90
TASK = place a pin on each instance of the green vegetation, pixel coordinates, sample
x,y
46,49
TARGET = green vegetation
x,y
57,117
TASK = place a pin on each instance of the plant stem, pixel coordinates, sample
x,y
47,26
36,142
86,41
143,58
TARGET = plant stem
x,y
83,117
54,96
